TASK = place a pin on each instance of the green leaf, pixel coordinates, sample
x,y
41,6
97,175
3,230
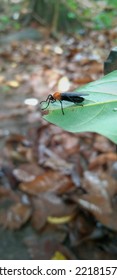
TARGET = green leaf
x,y
98,113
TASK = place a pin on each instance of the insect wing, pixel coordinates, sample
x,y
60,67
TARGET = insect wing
x,y
79,93
75,97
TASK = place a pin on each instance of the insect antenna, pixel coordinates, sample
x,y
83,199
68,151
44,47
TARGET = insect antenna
x,y
47,100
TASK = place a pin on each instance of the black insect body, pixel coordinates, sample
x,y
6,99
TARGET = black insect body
x,y
75,97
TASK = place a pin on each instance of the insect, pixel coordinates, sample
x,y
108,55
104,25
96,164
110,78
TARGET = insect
x,y
75,97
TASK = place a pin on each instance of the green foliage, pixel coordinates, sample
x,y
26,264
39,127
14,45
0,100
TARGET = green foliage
x,y
73,4
98,113
107,16
103,20
112,3
9,16
71,15
4,21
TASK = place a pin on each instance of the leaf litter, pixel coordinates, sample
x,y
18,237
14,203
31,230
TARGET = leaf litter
x,y
61,185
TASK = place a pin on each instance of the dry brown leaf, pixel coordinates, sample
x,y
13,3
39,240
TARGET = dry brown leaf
x,y
56,207
16,216
95,67
96,204
102,144
4,193
99,199
46,247
39,215
19,148
102,159
23,176
51,208
49,181
39,219
82,79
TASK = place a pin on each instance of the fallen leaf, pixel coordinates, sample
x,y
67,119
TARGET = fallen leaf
x,y
52,209
39,214
16,216
99,199
23,176
49,181
46,247
102,159
64,84
13,84
60,220
58,256
101,144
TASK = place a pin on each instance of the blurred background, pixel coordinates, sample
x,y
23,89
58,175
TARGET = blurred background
x,y
58,190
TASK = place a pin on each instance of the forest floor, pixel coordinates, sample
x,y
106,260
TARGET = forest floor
x,y
58,190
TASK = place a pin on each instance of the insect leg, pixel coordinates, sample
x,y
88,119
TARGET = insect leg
x,y
61,107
